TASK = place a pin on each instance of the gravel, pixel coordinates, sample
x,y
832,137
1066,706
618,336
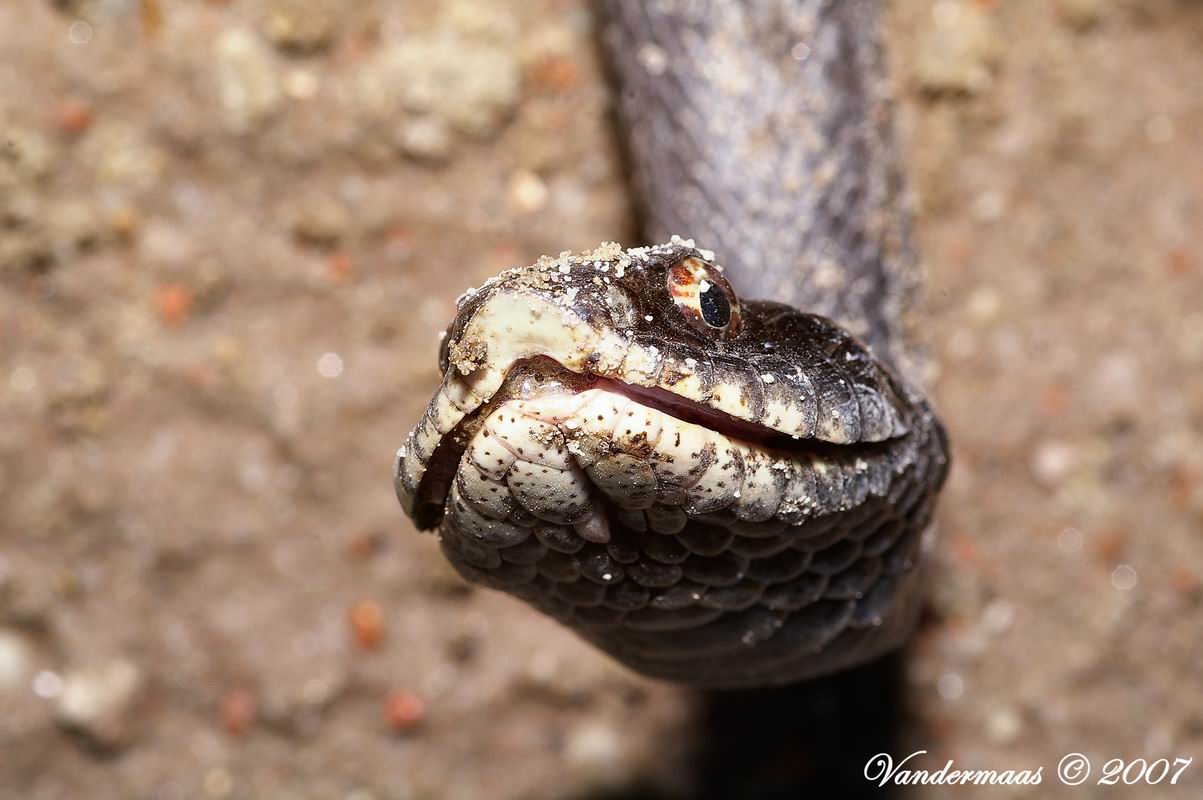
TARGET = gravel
x,y
194,213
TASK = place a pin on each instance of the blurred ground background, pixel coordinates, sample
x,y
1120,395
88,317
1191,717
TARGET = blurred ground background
x,y
229,232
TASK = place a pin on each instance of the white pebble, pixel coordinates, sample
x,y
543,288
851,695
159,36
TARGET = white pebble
x,y
23,379
80,32
950,686
330,365
47,684
1123,577
1069,540
593,747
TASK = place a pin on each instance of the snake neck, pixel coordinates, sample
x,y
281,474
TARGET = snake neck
x,y
762,130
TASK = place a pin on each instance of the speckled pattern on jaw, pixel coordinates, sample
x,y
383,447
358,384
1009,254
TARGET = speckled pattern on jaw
x,y
771,538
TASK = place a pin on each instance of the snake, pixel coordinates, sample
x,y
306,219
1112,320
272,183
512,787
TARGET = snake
x,y
714,489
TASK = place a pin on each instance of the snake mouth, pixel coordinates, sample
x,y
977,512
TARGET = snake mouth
x,y
544,374
557,388
546,369
792,382
686,410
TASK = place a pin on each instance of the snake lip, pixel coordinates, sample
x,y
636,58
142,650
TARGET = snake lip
x,y
543,373
688,410
546,367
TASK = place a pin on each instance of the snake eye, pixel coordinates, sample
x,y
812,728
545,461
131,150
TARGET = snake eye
x,y
704,297
716,310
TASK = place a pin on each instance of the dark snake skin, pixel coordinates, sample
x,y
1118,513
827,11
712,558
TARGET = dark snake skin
x,y
762,130
726,505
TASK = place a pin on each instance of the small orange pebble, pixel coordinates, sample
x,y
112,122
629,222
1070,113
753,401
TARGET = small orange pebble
x,y
74,116
398,242
958,252
237,711
340,267
398,235
1184,580
357,44
366,624
963,549
1182,485
1179,262
1110,547
558,73
404,710
1055,401
150,14
957,625
366,544
174,301
504,253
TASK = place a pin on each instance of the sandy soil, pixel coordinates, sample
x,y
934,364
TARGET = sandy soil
x,y
229,232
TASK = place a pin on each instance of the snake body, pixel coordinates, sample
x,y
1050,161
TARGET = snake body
x,y
718,491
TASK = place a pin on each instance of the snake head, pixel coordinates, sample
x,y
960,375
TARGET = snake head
x,y
662,325
678,474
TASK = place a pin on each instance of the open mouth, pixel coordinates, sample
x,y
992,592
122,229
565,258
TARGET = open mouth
x,y
543,376
682,408
686,410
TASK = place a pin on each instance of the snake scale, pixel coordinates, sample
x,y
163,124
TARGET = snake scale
x,y
714,490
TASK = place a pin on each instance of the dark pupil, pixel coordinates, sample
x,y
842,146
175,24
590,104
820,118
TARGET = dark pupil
x,y
716,311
